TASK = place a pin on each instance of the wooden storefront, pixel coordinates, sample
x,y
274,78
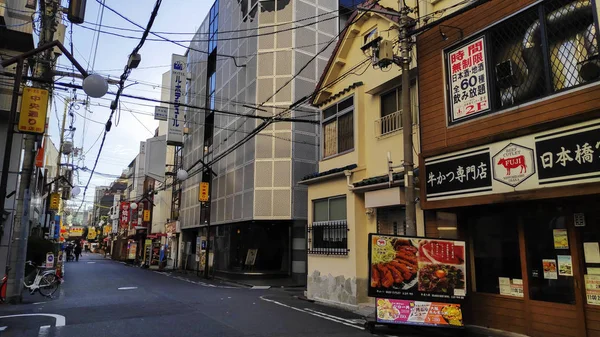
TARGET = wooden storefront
x,y
511,159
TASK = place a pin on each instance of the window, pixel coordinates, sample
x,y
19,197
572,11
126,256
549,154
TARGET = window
x,y
391,111
328,234
370,36
213,26
538,52
495,239
338,128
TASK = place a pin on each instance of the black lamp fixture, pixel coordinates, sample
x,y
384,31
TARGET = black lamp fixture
x,y
444,36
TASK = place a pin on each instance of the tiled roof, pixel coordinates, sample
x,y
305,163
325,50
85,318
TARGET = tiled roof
x,y
332,171
398,176
341,93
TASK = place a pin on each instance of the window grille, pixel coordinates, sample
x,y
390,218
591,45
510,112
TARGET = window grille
x,y
328,238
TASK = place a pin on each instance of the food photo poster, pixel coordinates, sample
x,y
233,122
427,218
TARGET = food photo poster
x,y
417,280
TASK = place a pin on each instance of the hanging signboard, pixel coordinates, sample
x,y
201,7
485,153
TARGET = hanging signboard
x,y
161,113
175,115
417,281
54,201
124,214
564,156
203,192
34,105
468,87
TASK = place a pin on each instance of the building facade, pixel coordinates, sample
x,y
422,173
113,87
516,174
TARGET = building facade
x,y
510,112
257,208
16,36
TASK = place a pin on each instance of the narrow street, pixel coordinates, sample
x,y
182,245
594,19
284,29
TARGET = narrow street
x,y
101,297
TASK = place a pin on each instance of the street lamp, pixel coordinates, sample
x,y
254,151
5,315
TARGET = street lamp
x,y
95,85
182,174
133,206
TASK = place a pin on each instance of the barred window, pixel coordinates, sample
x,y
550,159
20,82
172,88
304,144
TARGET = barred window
x,y
338,128
328,234
543,50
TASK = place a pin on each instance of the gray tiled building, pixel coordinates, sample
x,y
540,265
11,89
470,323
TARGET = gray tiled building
x,y
256,202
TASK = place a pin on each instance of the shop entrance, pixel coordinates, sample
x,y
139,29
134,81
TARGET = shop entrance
x,y
526,268
554,296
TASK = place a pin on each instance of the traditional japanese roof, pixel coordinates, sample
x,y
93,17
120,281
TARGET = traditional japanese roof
x,y
398,177
329,172
364,7
341,93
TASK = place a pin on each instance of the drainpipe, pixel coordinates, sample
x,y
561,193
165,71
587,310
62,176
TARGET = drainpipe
x,y
348,176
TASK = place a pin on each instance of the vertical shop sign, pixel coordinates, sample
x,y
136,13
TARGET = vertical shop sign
x,y
467,81
175,117
124,214
34,105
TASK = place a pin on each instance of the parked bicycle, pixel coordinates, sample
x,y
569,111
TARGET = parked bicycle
x,y
44,280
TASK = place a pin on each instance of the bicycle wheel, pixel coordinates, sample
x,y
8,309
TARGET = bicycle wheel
x,y
49,284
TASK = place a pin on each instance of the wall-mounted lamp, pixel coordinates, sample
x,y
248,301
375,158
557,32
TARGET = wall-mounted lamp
x,y
444,36
369,211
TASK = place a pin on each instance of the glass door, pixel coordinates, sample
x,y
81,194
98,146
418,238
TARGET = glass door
x,y
554,299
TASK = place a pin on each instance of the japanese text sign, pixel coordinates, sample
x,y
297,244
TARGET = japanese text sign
x,y
557,157
124,214
462,173
566,154
34,105
175,114
54,201
467,81
203,193
146,215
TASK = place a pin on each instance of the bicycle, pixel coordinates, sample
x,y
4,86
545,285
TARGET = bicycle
x,y
45,281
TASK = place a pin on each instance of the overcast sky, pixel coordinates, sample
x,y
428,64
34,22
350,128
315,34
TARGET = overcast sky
x,y
122,142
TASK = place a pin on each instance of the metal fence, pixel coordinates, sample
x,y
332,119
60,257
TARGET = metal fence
x,y
388,124
328,238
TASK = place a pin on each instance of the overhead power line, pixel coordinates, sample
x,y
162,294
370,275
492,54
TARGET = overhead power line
x,y
234,58
98,30
123,78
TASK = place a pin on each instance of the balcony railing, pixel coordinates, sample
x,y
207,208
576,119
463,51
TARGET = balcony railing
x,y
388,124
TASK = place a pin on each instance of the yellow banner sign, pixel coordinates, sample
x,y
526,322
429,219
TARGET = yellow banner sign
x,y
146,215
91,233
54,201
34,105
107,230
76,231
203,193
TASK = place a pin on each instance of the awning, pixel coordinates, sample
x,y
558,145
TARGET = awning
x,y
155,235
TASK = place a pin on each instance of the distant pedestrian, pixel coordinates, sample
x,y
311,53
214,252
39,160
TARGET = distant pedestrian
x,y
69,251
77,251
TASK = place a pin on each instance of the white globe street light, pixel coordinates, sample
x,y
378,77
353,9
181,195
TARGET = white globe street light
x,y
182,175
133,206
95,86
75,191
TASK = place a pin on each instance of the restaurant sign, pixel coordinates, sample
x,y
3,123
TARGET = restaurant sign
x,y
34,106
417,281
557,157
468,87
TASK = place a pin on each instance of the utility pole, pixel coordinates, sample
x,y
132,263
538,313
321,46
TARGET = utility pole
x,y
18,248
407,122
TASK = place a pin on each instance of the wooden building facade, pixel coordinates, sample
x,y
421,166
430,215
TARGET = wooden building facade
x,y
510,137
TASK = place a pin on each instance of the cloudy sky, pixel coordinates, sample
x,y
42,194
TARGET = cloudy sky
x,y
135,123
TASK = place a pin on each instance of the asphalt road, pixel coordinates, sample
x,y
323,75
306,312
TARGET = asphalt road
x,y
103,298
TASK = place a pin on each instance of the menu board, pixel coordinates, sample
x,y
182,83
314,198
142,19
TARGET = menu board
x,y
592,289
418,269
419,313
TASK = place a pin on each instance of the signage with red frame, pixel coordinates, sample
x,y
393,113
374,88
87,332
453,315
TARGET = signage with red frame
x,y
124,214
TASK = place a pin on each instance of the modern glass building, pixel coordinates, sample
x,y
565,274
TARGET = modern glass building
x,y
244,59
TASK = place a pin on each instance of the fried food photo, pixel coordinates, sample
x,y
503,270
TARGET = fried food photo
x,y
394,265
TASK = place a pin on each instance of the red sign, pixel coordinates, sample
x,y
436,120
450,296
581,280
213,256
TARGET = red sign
x,y
124,214
39,157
